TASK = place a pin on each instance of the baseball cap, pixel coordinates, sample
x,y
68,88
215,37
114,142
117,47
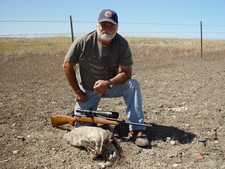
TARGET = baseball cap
x,y
109,16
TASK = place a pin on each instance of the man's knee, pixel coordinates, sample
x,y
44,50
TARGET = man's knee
x,y
133,83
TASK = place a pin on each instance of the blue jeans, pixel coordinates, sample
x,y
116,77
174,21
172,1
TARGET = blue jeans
x,y
131,93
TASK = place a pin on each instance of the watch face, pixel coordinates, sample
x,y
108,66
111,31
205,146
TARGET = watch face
x,y
110,84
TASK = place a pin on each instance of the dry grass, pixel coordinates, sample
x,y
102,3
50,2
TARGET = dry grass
x,y
28,46
155,48
162,48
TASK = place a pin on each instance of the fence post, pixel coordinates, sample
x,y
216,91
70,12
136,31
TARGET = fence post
x,y
201,38
71,26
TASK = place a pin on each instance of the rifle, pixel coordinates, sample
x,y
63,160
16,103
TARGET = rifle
x,y
89,116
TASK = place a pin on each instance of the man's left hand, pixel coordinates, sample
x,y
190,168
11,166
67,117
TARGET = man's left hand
x,y
101,86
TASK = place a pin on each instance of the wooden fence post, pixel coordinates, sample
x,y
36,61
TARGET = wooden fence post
x,y
201,39
71,26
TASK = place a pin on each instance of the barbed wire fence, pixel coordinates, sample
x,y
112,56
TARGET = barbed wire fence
x,y
128,33
93,22
196,31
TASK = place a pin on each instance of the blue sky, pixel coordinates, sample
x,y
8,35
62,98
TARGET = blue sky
x,y
154,18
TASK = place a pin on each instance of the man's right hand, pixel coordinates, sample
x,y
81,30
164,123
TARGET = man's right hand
x,y
70,73
80,96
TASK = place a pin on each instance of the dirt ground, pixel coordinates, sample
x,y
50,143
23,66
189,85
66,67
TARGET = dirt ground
x,y
183,98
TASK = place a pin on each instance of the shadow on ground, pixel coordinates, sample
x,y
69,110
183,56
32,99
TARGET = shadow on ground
x,y
161,132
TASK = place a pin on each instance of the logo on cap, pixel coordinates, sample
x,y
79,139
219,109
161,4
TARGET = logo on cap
x,y
108,14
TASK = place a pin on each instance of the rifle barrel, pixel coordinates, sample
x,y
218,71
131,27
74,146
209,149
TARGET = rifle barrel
x,y
138,124
131,123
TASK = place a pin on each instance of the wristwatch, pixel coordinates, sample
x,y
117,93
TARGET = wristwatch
x,y
110,84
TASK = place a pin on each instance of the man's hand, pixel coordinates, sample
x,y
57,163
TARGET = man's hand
x,y
80,96
70,73
101,86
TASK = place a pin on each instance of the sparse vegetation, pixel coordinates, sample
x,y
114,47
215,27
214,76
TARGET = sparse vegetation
x,y
155,48
24,46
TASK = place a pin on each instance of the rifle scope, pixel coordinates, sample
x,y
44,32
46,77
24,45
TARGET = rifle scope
x,y
90,113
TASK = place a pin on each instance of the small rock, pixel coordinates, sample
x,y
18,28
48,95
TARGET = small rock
x,y
198,156
216,142
175,165
103,165
168,138
172,142
16,152
21,138
161,106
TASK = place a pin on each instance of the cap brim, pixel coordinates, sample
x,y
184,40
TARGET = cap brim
x,y
107,20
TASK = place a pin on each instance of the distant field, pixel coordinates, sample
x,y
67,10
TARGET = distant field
x,y
155,48
21,46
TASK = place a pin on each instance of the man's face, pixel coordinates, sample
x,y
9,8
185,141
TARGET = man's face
x,y
106,31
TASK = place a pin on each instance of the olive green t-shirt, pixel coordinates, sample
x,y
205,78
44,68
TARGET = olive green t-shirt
x,y
97,62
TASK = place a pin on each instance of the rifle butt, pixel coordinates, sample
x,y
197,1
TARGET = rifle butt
x,y
59,120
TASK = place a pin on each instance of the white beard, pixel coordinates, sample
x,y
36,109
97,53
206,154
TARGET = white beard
x,y
106,36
